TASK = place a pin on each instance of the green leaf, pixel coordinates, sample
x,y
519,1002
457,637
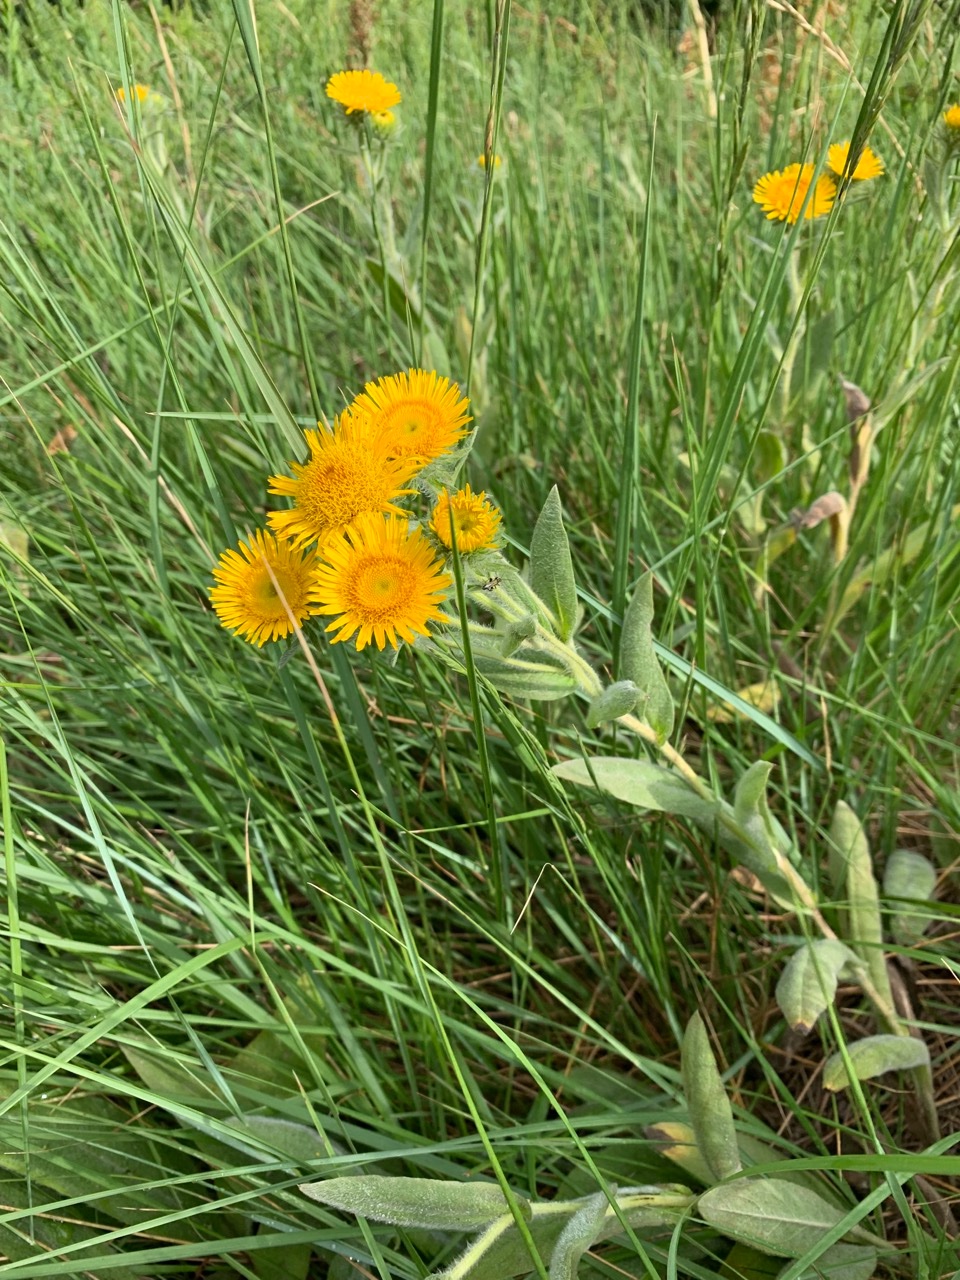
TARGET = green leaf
x,y
639,662
285,1262
616,700
873,1056
517,633
501,1251
710,1112
539,681
752,811
912,876
679,1144
551,567
743,1262
640,783
298,1142
651,787
842,1262
808,983
577,1237
814,357
415,1202
855,879
769,457
772,1215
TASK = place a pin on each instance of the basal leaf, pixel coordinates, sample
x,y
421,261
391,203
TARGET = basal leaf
x,y
873,1056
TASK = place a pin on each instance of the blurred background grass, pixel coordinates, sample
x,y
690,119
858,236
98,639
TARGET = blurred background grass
x,y
244,936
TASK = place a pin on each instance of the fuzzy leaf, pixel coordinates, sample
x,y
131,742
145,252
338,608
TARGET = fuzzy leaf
x,y
873,1056
769,457
912,876
842,1262
752,811
616,700
772,1215
516,633
577,1237
651,787
710,1114
859,887
415,1202
639,661
539,681
808,983
551,567
679,1144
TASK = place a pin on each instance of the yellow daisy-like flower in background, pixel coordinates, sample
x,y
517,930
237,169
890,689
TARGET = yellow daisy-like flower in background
x,y
868,166
363,91
951,117
475,519
482,161
142,93
781,194
384,582
416,414
346,475
250,602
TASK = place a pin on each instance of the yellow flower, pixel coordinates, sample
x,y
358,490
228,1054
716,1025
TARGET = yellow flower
x,y
482,161
417,414
383,581
868,166
951,117
475,518
363,91
781,195
256,588
384,121
142,92
348,473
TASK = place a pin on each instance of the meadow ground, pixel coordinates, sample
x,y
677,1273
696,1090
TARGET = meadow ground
x,y
277,915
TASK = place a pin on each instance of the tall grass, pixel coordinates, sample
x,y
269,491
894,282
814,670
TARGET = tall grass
x,y
252,931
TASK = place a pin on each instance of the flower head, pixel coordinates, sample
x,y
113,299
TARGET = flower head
x,y
868,166
482,161
384,122
382,580
259,587
363,91
951,118
142,92
782,195
417,414
347,474
475,519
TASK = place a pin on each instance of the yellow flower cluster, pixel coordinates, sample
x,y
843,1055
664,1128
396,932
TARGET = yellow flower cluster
x,y
785,195
346,548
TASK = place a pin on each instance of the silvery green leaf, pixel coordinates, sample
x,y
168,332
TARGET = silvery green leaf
x,y
842,1262
808,983
501,1252
415,1202
616,700
873,1056
651,787
639,661
577,1236
772,1215
551,567
516,633
855,869
752,811
710,1113
912,876
539,681
678,1143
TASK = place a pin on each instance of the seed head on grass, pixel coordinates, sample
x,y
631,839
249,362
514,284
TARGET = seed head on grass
x,y
257,583
781,194
364,91
348,473
475,519
868,166
383,581
418,414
